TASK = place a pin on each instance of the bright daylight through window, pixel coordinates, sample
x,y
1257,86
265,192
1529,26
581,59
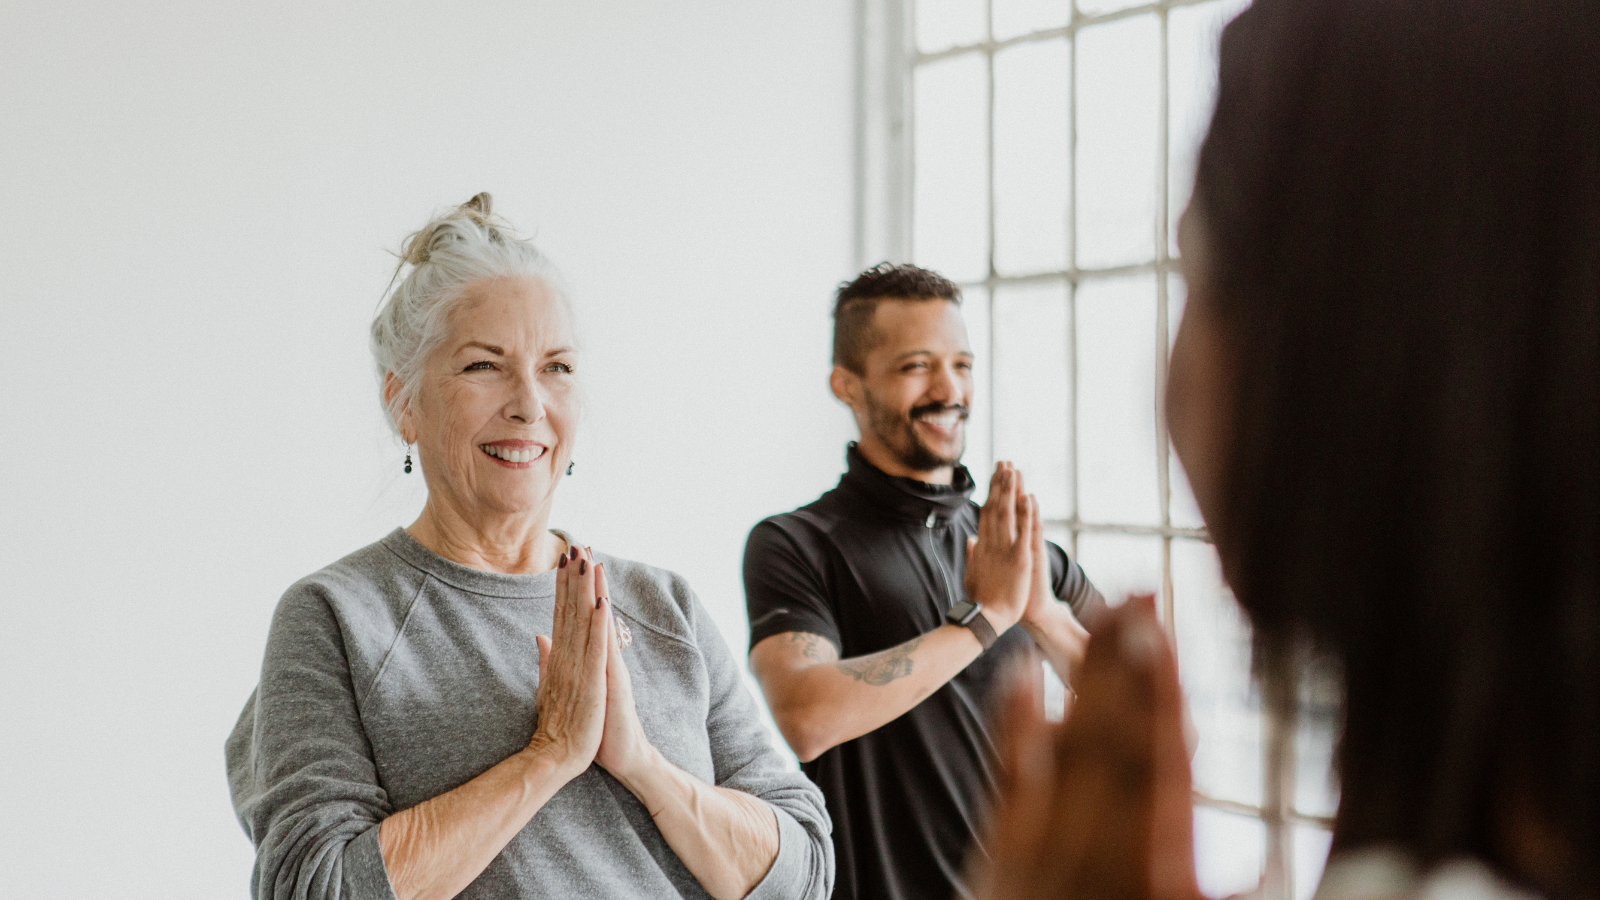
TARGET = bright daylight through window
x,y
1039,152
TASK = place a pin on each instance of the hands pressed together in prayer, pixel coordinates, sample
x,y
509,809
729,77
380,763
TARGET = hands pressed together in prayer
x,y
586,707
1008,571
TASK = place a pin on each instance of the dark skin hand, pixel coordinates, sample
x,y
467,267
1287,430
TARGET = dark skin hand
x,y
1097,807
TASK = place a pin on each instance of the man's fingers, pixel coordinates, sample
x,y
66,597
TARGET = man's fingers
x,y
1004,515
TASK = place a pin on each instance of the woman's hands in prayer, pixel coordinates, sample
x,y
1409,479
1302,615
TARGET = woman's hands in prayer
x,y
623,745
572,698
1098,806
586,708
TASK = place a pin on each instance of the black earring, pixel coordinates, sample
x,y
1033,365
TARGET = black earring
x,y
569,468
408,459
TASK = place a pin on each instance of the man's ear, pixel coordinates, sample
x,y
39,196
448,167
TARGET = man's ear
x,y
402,416
846,386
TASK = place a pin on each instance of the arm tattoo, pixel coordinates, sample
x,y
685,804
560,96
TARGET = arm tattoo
x,y
881,668
813,647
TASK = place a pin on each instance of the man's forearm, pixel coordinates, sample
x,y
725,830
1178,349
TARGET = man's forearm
x,y
835,700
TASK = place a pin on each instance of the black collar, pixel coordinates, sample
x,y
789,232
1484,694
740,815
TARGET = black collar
x,y
905,498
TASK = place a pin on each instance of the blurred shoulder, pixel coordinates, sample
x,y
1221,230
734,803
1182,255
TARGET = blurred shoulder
x,y
1384,873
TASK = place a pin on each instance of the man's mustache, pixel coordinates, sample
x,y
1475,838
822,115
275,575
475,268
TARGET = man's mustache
x,y
936,408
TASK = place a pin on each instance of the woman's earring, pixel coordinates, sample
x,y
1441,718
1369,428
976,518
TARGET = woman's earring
x,y
408,459
569,468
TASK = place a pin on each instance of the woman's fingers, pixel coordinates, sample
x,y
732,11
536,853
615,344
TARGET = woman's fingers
x,y
602,589
1118,791
544,657
1019,838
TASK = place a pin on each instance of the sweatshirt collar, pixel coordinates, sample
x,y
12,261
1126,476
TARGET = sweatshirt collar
x,y
905,498
475,581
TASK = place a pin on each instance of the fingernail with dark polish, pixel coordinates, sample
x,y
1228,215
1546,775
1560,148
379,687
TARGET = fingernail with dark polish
x,y
574,552
583,567
599,602
563,563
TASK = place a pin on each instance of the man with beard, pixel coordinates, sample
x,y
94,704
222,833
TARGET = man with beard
x,y
881,614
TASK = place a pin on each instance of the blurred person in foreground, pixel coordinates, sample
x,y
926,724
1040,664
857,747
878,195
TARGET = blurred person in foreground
x,y
883,615
479,706
1386,393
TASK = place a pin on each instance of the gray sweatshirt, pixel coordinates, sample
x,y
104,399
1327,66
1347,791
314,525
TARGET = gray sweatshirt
x,y
395,675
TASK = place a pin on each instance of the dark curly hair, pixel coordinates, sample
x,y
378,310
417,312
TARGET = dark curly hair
x,y
857,300
1402,200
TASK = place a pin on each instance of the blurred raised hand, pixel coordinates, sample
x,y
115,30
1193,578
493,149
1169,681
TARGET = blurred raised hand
x,y
1099,806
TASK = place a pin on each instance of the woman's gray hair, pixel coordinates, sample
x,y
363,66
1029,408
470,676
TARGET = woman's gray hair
x,y
467,245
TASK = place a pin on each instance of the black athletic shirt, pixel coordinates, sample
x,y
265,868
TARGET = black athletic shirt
x,y
872,564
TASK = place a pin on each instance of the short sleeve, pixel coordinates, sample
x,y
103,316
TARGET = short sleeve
x,y
744,760
1073,588
300,768
784,586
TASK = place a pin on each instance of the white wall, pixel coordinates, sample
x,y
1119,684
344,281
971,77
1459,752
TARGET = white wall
x,y
195,206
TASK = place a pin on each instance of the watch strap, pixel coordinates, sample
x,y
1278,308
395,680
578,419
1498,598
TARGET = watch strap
x,y
983,630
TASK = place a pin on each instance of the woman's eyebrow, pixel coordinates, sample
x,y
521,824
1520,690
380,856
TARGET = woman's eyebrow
x,y
497,351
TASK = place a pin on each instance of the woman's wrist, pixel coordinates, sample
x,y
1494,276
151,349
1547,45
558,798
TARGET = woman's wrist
x,y
545,757
646,774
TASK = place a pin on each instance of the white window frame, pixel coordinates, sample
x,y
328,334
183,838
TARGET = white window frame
x,y
884,177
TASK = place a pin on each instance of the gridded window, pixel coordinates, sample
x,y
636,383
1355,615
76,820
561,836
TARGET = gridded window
x,y
1039,152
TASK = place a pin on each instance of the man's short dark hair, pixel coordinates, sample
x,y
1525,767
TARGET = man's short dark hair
x,y
857,300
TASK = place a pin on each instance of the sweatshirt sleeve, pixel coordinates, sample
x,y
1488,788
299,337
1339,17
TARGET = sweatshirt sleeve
x,y
300,768
745,760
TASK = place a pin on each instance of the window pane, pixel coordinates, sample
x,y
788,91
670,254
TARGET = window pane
x,y
1032,147
1310,856
1121,564
1116,342
1192,35
1031,389
1214,662
949,23
1316,790
1119,103
979,458
950,227
1229,850
1014,17
1182,510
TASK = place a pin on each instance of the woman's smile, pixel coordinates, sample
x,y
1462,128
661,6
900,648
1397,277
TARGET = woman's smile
x,y
514,454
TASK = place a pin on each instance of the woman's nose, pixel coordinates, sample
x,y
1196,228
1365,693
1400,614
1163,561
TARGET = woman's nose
x,y
527,401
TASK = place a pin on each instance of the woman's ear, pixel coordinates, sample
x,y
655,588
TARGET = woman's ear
x,y
402,416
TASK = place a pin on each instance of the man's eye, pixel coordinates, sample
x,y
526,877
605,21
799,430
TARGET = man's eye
x,y
914,367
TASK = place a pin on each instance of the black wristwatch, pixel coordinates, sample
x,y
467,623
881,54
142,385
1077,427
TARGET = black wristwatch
x,y
970,614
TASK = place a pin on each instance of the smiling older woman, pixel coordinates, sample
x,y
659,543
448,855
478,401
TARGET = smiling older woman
x,y
453,710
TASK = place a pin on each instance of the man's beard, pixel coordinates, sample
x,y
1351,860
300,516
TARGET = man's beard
x,y
900,436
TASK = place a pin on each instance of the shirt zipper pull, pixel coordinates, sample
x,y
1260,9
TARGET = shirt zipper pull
x,y
932,517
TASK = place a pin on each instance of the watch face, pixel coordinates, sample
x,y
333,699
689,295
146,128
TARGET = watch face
x,y
962,612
